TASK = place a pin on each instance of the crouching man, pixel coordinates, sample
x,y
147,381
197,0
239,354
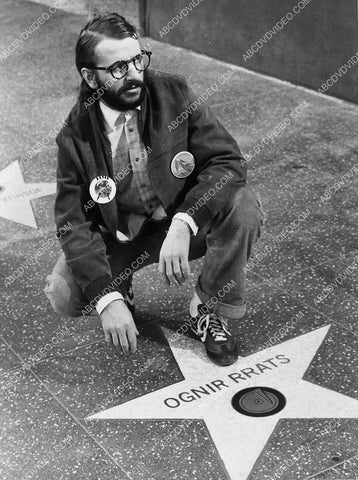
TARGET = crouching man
x,y
139,186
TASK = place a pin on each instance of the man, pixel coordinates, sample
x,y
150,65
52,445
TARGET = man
x,y
171,194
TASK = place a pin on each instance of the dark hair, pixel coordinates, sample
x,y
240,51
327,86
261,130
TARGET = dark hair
x,y
111,25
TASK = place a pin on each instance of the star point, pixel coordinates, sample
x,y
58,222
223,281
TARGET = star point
x,y
207,390
16,195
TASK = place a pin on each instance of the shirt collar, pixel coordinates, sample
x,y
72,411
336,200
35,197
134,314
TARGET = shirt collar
x,y
110,115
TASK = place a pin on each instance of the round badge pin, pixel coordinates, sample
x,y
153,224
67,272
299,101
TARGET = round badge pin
x,y
182,164
102,189
258,401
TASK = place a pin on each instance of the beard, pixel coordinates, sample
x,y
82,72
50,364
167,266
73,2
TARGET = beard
x,y
120,99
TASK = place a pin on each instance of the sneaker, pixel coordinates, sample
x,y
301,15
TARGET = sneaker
x,y
212,329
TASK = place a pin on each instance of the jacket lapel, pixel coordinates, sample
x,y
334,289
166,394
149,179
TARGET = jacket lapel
x,y
104,166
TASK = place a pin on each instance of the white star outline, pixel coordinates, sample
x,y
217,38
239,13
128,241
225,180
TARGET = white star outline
x,y
240,439
15,195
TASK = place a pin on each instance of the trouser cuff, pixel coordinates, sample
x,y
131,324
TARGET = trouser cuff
x,y
233,312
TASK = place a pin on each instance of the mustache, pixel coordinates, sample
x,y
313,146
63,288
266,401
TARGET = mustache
x,y
131,84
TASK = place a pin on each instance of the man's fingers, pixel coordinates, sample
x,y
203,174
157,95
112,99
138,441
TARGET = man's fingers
x,y
162,270
132,339
170,273
107,336
123,341
185,268
168,270
177,269
115,340
161,267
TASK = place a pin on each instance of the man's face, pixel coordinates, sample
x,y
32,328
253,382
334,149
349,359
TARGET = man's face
x,y
127,92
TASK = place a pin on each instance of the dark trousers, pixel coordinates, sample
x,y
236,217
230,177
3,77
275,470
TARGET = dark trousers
x,y
225,243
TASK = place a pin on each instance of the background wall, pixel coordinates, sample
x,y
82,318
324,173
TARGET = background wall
x,y
307,51
127,8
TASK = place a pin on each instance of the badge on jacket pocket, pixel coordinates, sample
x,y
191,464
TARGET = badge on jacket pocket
x,y
182,164
102,189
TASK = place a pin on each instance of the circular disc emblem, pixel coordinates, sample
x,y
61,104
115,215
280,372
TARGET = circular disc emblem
x,y
258,401
182,164
102,189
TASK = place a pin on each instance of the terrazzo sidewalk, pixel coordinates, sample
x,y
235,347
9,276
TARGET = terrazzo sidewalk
x,y
72,408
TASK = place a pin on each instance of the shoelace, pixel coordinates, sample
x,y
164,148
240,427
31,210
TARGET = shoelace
x,y
214,324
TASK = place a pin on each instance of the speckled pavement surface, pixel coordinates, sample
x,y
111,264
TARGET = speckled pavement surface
x,y
79,410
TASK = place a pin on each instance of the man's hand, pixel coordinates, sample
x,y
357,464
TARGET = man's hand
x,y
119,327
174,254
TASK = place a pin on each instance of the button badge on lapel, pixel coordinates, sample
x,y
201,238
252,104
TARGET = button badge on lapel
x,y
102,189
182,164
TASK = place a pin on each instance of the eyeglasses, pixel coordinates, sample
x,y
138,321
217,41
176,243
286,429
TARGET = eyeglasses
x,y
119,69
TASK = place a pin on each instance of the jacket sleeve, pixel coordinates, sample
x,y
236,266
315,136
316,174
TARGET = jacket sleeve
x,y
221,167
83,243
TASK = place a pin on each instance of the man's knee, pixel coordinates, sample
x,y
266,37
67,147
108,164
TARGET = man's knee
x,y
59,295
245,210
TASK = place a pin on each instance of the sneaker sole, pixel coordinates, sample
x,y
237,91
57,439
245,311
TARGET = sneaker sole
x,y
224,362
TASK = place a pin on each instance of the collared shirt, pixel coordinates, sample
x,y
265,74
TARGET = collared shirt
x,y
135,193
113,128
115,122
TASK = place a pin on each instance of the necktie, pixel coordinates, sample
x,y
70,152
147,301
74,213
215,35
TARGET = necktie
x,y
122,175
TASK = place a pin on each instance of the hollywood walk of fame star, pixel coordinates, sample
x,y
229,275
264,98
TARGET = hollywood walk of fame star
x,y
239,439
15,195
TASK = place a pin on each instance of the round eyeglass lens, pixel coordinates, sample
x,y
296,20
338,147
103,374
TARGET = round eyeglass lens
x,y
141,62
119,71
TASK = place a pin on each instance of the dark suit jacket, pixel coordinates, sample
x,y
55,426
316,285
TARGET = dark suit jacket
x,y
85,152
